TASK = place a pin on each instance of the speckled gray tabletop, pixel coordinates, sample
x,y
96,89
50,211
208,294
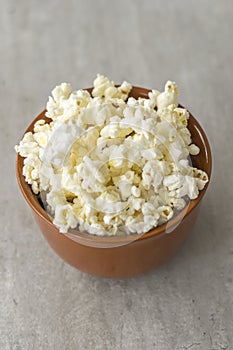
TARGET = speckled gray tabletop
x,y
188,302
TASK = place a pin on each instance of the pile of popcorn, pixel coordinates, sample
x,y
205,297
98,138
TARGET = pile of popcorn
x,y
110,164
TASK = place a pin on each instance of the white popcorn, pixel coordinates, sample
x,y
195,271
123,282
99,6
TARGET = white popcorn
x,y
27,145
193,149
124,90
114,130
103,87
169,96
166,213
64,217
110,164
177,203
136,192
152,101
61,91
101,84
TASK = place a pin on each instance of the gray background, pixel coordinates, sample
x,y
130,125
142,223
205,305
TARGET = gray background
x,y
188,302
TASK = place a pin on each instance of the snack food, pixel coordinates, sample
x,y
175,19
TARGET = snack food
x,y
110,164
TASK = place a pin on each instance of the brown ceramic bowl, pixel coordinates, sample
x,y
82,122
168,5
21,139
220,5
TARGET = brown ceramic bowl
x,y
127,256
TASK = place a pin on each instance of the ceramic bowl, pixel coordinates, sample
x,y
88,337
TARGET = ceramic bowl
x,y
118,257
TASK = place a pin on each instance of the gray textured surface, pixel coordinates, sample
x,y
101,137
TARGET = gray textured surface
x,y
187,303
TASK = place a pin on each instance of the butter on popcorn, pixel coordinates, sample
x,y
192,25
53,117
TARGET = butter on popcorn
x,y
109,163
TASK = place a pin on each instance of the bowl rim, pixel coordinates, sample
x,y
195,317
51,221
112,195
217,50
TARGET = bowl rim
x,y
89,238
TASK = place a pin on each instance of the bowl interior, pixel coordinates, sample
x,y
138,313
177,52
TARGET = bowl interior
x,y
202,161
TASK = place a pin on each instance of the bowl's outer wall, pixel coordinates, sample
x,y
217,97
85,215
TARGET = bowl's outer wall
x,y
135,257
125,261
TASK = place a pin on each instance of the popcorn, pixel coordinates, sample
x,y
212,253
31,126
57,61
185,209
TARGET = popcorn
x,y
103,87
64,217
169,96
193,149
115,131
201,178
109,164
61,92
136,192
27,146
